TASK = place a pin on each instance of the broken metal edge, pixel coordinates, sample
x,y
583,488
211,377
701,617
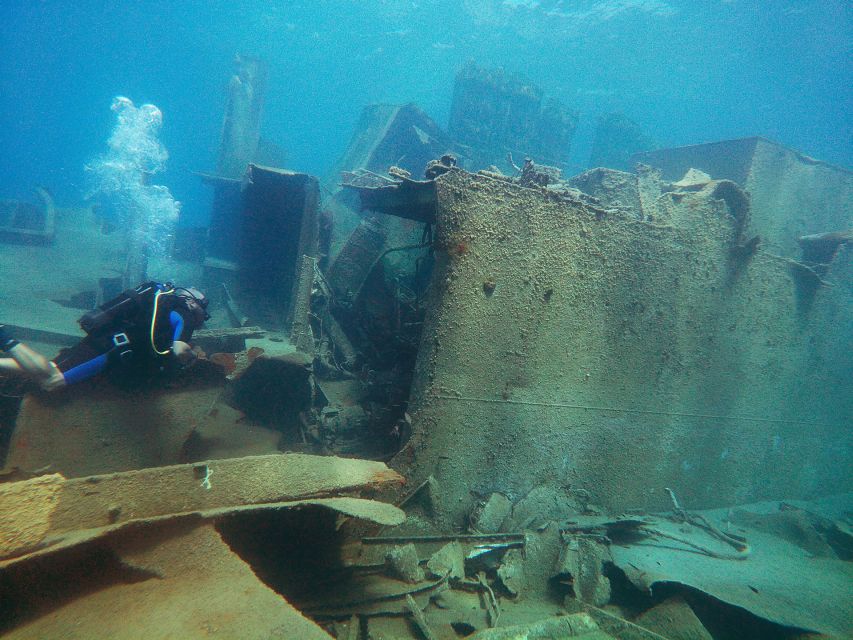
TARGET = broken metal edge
x,y
731,602
643,156
212,178
230,332
35,334
509,538
252,166
410,199
363,509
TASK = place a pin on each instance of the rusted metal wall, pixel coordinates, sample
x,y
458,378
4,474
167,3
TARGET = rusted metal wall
x,y
568,347
791,194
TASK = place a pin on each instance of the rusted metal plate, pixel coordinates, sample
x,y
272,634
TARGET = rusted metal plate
x,y
779,581
410,199
176,581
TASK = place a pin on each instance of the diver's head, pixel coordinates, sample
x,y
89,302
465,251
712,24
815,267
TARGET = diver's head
x,y
196,303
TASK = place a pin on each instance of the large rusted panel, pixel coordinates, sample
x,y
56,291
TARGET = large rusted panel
x,y
386,135
568,346
792,195
353,264
494,112
241,127
256,245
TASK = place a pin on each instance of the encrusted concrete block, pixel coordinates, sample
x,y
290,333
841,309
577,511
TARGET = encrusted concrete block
x,y
489,517
402,563
448,561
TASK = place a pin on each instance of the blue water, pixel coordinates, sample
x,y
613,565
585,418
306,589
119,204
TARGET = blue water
x,y
688,71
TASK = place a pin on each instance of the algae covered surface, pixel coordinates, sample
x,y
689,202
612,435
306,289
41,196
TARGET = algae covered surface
x,y
521,319
620,356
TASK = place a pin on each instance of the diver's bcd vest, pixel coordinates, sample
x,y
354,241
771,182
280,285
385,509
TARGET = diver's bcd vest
x,y
127,307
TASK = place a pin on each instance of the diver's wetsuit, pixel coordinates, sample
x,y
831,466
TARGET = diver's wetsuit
x,y
128,342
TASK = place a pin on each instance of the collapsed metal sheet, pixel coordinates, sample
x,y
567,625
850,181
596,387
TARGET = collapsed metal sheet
x,y
779,581
411,199
215,484
576,625
369,510
177,581
101,428
85,508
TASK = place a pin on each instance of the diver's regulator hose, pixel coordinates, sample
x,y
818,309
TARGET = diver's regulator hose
x,y
154,321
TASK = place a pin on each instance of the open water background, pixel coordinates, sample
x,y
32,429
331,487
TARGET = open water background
x,y
688,71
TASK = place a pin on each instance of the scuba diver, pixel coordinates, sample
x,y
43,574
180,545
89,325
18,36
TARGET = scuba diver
x,y
141,331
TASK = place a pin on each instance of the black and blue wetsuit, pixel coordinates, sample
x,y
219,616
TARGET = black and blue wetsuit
x,y
128,342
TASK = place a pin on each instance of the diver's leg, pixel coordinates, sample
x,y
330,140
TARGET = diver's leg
x,y
84,360
84,370
31,361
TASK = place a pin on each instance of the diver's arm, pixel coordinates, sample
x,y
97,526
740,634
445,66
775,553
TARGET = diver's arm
x,y
183,352
176,321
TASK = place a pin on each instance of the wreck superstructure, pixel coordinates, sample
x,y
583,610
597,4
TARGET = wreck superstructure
x,y
549,375
616,352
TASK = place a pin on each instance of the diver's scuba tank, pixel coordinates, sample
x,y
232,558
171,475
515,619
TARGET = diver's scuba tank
x,y
125,307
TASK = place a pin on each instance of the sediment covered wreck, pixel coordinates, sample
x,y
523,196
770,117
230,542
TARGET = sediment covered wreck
x,y
614,405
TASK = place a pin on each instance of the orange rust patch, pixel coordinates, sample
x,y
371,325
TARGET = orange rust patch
x,y
225,360
387,476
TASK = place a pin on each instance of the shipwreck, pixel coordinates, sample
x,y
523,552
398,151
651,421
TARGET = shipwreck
x,y
452,391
